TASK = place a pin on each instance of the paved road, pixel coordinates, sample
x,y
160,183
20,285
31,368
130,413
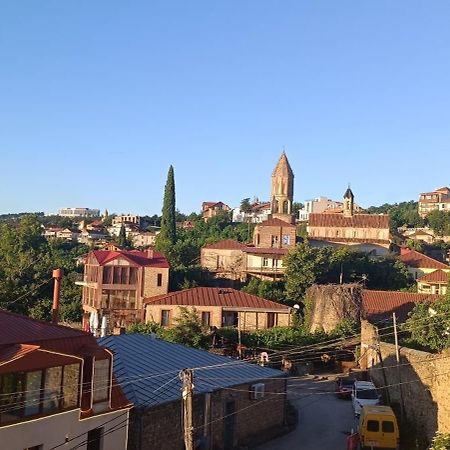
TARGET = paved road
x,y
324,420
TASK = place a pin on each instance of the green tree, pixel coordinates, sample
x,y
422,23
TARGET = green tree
x,y
429,324
304,265
167,236
188,329
439,222
246,205
122,237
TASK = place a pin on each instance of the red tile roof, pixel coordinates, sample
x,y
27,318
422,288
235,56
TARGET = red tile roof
x,y
227,244
206,296
413,258
438,276
357,221
134,256
349,240
275,222
381,304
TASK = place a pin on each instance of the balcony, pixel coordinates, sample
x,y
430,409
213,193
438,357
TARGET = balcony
x,y
82,280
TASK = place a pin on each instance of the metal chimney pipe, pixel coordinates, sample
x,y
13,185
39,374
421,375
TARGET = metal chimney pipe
x,y
57,276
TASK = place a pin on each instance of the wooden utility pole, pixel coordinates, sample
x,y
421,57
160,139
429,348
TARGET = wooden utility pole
x,y
187,378
399,375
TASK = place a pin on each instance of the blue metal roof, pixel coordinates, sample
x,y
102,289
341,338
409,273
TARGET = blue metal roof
x,y
148,369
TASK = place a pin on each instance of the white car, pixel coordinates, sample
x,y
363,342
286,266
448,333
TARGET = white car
x,y
364,393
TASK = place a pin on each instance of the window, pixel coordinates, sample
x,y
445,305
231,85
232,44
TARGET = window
x,y
101,380
387,426
165,317
206,318
270,320
265,262
373,425
286,239
159,279
94,439
25,394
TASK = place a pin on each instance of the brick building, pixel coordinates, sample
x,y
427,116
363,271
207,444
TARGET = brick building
x,y
56,388
235,405
364,232
212,209
116,282
218,307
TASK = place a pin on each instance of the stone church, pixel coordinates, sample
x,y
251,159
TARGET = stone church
x,y
272,239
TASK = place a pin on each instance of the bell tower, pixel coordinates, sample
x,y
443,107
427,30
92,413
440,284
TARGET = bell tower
x,y
349,205
282,190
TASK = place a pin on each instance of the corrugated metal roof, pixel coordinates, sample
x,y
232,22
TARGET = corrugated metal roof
x,y
147,369
207,296
18,329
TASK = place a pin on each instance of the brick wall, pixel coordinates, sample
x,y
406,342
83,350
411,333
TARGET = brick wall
x,y
150,288
421,383
254,422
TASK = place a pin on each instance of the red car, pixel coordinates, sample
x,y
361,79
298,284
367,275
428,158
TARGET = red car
x,y
344,387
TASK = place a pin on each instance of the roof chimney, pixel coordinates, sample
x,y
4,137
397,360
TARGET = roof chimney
x,y
149,253
57,276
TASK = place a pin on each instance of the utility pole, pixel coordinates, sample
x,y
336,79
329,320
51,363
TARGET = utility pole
x,y
399,375
187,378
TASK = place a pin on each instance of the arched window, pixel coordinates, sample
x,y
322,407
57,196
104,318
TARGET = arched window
x,y
285,207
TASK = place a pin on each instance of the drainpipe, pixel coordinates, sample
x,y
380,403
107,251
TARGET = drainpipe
x,y
57,276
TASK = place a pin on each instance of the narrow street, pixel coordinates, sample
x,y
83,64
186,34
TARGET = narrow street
x,y
324,420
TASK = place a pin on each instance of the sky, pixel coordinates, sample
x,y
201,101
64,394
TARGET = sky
x,y
99,97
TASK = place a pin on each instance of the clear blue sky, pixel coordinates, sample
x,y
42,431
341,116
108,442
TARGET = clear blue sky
x,y
99,97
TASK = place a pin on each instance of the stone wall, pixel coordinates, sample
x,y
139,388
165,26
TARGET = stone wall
x,y
420,384
255,421
329,304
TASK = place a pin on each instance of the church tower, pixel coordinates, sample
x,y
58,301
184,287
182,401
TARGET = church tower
x,y
282,190
349,205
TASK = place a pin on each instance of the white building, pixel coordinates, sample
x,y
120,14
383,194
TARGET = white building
x,y
260,213
317,205
78,212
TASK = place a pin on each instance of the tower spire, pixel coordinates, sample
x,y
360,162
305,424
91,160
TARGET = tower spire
x,y
282,189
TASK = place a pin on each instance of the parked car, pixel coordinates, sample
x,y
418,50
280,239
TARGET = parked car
x,y
364,393
344,386
378,428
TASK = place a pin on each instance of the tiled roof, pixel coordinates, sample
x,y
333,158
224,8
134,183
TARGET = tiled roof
x,y
135,256
18,329
349,240
208,296
438,276
357,221
275,222
413,258
381,304
15,351
266,251
152,378
283,168
227,244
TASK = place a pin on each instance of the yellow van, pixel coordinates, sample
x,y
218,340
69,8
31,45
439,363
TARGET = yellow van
x,y
378,428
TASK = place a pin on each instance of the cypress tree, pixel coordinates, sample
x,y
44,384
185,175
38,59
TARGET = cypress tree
x,y
122,238
167,235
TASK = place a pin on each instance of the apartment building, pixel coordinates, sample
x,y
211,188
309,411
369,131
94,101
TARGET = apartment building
x,y
78,212
430,201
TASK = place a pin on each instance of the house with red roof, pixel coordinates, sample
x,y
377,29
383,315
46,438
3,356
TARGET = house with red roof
x,y
57,388
380,305
212,209
431,275
115,282
218,307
